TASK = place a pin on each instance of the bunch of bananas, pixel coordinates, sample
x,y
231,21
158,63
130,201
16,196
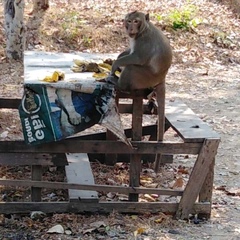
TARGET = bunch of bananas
x,y
100,70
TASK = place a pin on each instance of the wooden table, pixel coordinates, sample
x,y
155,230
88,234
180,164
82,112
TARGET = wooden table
x,y
197,139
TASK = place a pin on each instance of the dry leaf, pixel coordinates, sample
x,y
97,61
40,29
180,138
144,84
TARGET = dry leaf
x,y
139,231
178,183
56,229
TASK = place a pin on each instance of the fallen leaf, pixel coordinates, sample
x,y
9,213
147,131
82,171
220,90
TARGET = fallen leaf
x,y
178,183
37,214
98,224
139,231
56,229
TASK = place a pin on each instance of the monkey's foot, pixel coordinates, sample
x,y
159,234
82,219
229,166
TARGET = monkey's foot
x,y
112,79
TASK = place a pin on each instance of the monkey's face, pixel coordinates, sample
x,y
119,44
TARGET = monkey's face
x,y
134,23
132,27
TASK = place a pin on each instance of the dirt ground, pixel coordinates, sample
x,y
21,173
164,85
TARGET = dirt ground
x,y
205,75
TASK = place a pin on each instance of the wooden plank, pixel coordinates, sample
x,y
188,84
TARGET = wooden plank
x,y
93,187
73,145
110,159
205,194
79,171
160,91
124,107
10,103
146,130
135,159
198,175
165,158
187,124
36,175
142,93
101,207
32,159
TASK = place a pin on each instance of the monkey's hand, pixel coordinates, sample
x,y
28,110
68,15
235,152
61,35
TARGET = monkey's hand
x,y
115,67
112,79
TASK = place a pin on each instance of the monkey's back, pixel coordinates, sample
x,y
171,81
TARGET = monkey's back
x,y
155,49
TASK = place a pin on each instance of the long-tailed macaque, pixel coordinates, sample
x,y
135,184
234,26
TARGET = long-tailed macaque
x,y
146,62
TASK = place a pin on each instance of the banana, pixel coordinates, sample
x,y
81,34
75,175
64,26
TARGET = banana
x,y
56,76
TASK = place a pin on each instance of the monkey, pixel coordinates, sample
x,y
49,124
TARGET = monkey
x,y
146,62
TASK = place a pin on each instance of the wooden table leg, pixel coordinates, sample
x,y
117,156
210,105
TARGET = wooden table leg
x,y
36,176
199,173
135,159
111,159
160,92
205,194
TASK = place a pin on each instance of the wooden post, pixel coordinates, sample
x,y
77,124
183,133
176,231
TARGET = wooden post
x,y
199,173
160,91
111,159
36,176
205,194
135,159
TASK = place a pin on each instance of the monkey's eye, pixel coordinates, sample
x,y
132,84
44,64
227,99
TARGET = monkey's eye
x,y
135,21
129,21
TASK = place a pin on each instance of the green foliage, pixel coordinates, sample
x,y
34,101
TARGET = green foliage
x,y
72,28
71,20
182,18
87,41
159,17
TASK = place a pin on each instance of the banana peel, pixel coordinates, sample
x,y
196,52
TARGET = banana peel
x,y
100,70
84,66
99,76
56,76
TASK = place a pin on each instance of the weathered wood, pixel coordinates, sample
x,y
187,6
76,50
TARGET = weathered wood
x,y
95,187
160,91
165,158
198,175
32,159
36,175
135,159
139,93
110,159
187,124
205,194
102,207
10,103
128,108
146,130
191,128
79,171
75,145
125,158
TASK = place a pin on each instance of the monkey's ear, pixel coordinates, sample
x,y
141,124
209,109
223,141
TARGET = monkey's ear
x,y
147,17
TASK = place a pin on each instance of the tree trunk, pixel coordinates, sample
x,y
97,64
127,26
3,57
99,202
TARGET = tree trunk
x,y
39,5
14,27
